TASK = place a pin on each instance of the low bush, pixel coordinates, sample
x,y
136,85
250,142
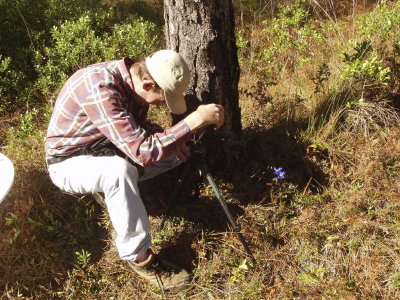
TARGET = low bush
x,y
289,38
45,41
76,44
11,84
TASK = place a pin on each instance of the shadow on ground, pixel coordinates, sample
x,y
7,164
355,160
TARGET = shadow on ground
x,y
252,177
52,227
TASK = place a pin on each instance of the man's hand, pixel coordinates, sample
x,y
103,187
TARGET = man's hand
x,y
182,152
208,114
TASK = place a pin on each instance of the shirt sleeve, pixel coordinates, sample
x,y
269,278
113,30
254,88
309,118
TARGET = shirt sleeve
x,y
105,109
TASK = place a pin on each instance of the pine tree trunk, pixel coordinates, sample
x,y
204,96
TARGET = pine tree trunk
x,y
203,33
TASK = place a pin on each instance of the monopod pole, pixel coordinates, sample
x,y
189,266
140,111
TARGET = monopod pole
x,y
198,159
235,227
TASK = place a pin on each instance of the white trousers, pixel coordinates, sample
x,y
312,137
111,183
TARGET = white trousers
x,y
117,179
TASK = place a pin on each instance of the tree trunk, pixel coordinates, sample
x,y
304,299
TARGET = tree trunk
x,y
203,33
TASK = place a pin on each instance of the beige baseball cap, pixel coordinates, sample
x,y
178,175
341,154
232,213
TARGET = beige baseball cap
x,y
172,74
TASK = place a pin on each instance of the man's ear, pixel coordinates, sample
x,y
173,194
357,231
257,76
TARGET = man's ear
x,y
148,84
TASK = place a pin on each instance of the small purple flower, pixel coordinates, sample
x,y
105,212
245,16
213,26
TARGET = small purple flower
x,y
279,173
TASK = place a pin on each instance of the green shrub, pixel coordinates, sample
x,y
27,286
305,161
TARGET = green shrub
x,y
242,46
77,44
27,137
373,61
11,83
365,67
382,24
135,38
21,23
289,37
57,10
36,36
26,26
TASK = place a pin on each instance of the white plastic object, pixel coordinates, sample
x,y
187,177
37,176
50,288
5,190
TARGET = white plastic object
x,y
6,176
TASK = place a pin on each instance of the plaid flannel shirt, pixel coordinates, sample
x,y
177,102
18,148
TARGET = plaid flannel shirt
x,y
98,101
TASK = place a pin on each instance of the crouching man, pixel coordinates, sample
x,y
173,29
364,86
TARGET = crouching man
x,y
99,140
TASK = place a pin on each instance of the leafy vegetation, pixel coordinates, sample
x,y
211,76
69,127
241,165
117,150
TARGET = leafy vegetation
x,y
10,82
76,44
38,54
319,205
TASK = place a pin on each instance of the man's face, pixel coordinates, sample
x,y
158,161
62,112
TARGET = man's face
x,y
147,92
155,97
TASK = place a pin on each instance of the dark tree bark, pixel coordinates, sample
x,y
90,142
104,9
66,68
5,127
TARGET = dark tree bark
x,y
203,33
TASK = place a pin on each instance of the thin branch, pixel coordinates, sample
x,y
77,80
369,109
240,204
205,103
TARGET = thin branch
x,y
26,26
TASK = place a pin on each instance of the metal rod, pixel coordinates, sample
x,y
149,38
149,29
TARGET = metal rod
x,y
198,159
222,201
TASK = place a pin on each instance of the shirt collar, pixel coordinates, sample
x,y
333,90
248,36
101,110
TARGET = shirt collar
x,y
125,74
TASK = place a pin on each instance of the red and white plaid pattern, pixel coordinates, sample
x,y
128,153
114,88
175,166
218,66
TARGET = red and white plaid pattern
x,y
98,101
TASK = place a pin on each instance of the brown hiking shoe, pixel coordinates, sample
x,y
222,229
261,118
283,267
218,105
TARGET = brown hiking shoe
x,y
162,273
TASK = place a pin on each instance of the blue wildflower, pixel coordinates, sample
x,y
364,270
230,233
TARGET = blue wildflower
x,y
279,173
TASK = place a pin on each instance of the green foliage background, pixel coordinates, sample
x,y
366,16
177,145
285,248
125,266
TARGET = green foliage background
x,y
45,41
